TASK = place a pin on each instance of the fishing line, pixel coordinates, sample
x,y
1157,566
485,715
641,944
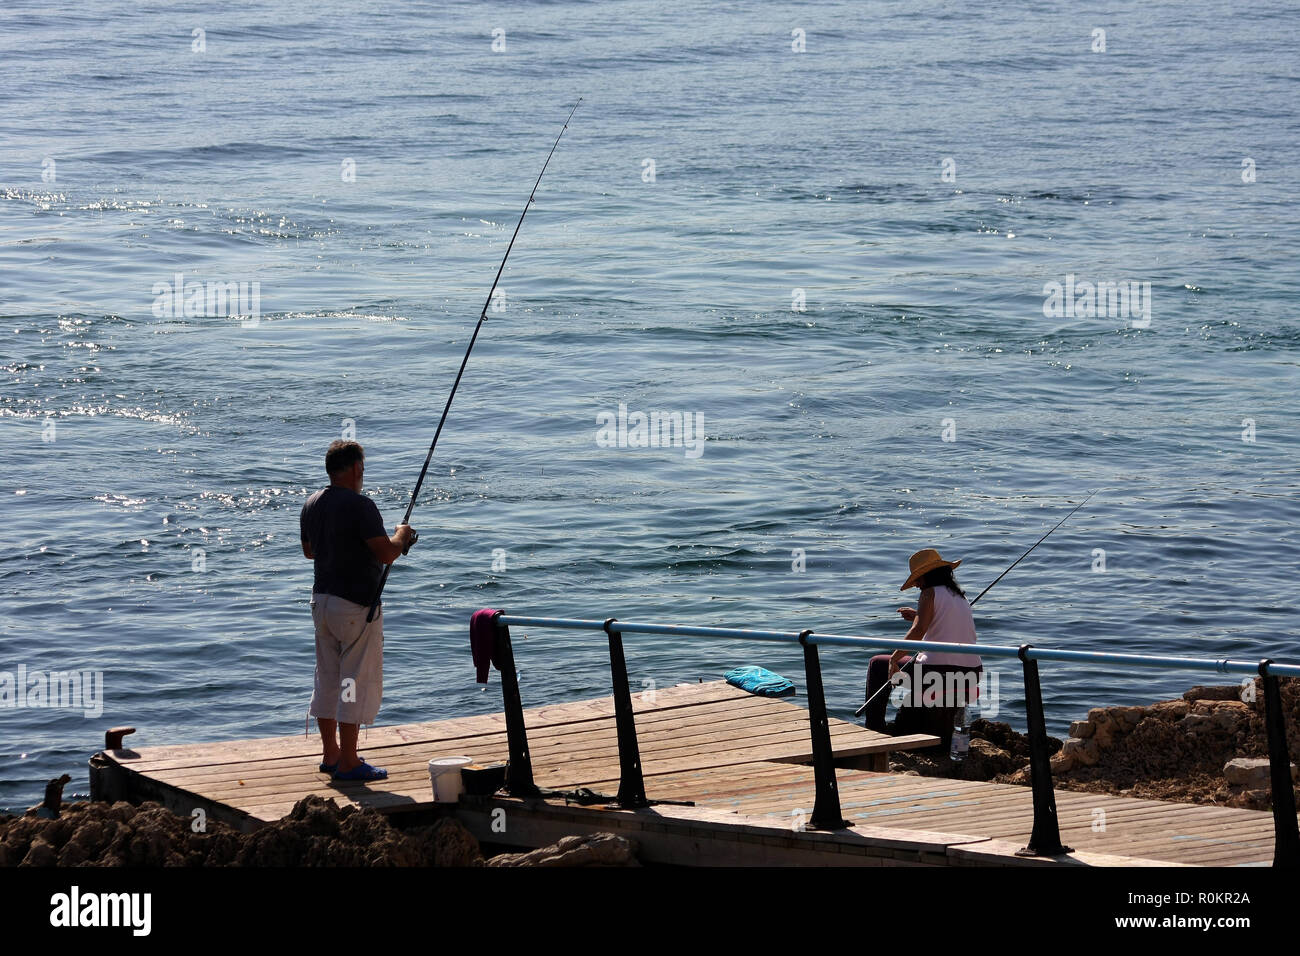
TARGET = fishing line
x,y
383,577
406,520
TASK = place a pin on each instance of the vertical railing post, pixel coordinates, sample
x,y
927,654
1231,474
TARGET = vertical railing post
x,y
519,771
631,784
1046,837
1286,837
826,807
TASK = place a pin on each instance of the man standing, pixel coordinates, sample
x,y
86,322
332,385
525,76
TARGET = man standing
x,y
343,533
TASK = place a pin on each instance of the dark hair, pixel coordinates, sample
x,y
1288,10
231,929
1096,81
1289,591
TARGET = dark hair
x,y
342,455
941,576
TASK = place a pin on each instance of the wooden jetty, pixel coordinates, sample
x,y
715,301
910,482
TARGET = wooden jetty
x,y
742,760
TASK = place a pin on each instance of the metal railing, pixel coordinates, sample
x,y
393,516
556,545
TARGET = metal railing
x,y
1045,839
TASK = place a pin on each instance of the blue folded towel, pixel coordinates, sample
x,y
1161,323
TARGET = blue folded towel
x,y
759,680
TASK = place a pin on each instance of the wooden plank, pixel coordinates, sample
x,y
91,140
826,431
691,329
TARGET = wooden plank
x,y
667,698
1116,839
1120,853
1175,838
1166,848
757,770
720,750
680,786
727,751
727,776
891,803
598,736
1145,843
1215,856
571,769
412,783
1018,825
599,744
851,797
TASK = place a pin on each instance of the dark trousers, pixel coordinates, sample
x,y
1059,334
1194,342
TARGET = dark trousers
x,y
878,677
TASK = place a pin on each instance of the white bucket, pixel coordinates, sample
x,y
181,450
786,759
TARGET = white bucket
x,y
444,776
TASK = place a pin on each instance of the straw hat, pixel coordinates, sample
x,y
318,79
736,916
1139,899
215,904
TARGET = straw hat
x,y
923,562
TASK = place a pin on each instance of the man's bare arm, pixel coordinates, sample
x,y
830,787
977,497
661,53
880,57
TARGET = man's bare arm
x,y
387,550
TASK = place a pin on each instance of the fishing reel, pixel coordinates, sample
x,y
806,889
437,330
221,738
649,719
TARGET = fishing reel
x,y
415,536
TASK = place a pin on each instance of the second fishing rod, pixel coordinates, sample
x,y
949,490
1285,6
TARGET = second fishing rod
x,y
383,577
890,683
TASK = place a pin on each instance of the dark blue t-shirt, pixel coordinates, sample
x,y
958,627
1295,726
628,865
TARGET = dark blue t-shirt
x,y
336,523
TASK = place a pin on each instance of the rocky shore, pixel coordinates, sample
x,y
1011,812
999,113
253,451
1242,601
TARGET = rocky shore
x,y
316,833
1209,746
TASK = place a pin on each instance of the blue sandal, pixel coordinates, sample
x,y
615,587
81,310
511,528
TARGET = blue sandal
x,y
329,767
362,771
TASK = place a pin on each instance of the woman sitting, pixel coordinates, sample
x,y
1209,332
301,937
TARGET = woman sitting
x,y
942,614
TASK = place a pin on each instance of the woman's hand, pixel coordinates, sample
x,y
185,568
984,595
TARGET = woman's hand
x,y
909,613
894,661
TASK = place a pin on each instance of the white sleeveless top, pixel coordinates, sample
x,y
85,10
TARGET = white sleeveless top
x,y
953,623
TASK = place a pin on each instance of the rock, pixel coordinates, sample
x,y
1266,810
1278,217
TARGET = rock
x,y
1001,734
1234,707
1021,778
448,843
381,843
1104,727
598,849
986,760
315,816
1229,715
318,833
1229,692
1128,717
1231,722
121,811
40,854
281,844
17,839
58,831
73,855
315,833
214,848
1082,728
1199,724
1250,799
1083,752
1178,749
1170,710
1254,773
90,837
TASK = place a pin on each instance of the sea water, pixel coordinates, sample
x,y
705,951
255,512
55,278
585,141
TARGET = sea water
x,y
834,240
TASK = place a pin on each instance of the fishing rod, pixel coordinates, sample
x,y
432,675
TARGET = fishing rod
x,y
383,577
861,710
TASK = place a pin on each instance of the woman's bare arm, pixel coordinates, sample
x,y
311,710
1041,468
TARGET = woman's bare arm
x,y
920,624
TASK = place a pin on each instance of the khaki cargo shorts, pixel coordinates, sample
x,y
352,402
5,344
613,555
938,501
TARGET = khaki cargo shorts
x,y
349,661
